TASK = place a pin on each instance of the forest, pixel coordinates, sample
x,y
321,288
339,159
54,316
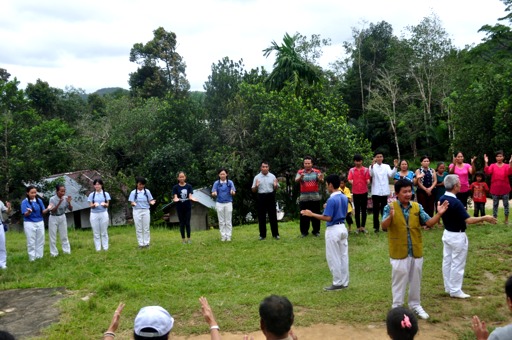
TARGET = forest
x,y
407,94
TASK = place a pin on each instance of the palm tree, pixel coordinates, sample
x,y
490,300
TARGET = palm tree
x,y
290,67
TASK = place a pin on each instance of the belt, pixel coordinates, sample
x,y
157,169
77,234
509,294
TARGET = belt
x,y
459,231
57,215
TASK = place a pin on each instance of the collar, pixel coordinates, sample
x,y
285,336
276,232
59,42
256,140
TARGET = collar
x,y
451,194
402,206
334,193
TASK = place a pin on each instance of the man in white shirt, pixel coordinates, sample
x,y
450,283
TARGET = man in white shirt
x,y
380,174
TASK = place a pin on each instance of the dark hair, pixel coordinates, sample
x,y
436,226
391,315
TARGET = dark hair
x,y
462,153
396,324
38,200
222,169
181,172
377,152
276,312
141,180
264,162
308,157
499,152
150,329
58,186
480,174
343,179
508,287
30,187
402,183
438,165
403,160
334,180
4,335
424,157
358,157
100,182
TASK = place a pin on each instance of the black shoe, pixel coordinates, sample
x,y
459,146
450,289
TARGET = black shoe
x,y
376,231
303,235
316,235
262,238
333,287
277,237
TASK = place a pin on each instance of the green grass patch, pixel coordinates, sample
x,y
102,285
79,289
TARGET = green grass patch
x,y
236,276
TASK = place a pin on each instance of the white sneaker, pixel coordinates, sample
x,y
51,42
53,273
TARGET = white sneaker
x,y
420,312
460,295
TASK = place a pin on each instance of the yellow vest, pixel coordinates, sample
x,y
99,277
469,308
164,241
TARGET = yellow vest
x,y
397,232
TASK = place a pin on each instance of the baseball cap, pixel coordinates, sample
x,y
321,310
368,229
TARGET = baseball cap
x,y
154,317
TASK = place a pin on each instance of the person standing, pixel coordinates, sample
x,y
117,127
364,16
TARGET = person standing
x,y
57,220
224,190
381,174
455,241
99,201
479,190
182,196
141,200
500,184
265,184
3,252
359,178
405,173
426,180
463,170
309,179
33,210
336,234
403,219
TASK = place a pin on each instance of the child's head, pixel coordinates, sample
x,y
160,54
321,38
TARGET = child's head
x,y
401,324
342,182
479,176
182,177
440,167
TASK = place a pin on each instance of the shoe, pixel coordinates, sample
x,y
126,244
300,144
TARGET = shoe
x,y
189,241
223,239
460,295
376,231
262,238
303,235
420,312
228,240
334,287
277,237
316,235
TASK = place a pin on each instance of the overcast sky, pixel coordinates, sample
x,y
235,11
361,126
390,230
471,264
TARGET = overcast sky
x,y
86,44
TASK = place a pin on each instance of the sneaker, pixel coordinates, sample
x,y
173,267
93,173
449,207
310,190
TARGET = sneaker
x,y
277,237
420,312
303,235
262,238
316,235
222,239
334,287
228,240
460,295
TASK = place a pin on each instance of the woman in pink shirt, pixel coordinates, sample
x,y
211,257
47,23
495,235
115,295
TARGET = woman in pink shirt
x,y
500,184
463,170
359,177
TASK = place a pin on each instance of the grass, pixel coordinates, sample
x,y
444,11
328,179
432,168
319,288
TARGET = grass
x,y
236,276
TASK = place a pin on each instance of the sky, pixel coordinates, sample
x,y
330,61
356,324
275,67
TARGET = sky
x,y
86,44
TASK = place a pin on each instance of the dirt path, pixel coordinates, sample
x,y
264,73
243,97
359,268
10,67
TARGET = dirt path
x,y
24,312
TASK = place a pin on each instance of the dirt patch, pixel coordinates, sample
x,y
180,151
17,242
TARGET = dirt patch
x,y
24,312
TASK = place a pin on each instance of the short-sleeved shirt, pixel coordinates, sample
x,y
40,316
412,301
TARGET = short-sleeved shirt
x,y
347,193
454,219
37,207
98,197
463,174
183,192
223,190
141,198
428,177
410,177
359,178
3,208
479,190
336,208
501,333
54,200
266,183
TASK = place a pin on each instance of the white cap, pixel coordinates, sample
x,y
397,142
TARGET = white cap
x,y
153,317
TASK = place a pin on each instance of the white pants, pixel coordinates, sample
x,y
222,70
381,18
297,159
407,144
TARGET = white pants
x,y
141,219
58,223
99,224
225,213
403,272
336,253
455,251
35,239
3,252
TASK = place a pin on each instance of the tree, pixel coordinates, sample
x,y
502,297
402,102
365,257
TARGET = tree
x,y
162,67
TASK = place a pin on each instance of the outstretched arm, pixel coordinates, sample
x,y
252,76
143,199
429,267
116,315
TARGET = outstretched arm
x,y
209,318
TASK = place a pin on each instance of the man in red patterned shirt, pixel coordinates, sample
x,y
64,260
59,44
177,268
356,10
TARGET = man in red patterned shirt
x,y
309,179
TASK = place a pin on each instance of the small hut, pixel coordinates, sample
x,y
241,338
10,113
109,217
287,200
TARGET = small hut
x,y
199,219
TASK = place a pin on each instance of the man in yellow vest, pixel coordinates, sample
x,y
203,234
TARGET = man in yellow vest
x,y
403,220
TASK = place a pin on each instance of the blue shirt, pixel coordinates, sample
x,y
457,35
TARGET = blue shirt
x,y
223,190
454,219
37,210
424,217
141,198
98,197
336,208
410,177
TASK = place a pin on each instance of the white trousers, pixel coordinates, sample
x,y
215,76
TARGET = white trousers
x,y
3,252
141,219
58,223
35,239
225,213
99,224
336,253
403,272
455,251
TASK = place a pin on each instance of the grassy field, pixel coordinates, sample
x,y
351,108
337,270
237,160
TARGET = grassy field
x,y
236,276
